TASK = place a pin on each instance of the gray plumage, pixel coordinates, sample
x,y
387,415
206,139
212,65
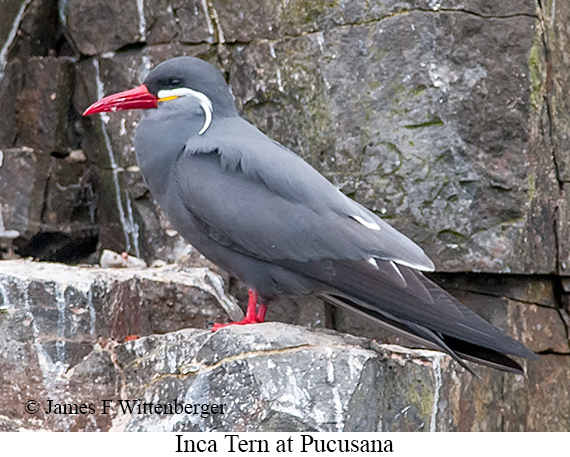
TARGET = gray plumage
x,y
262,213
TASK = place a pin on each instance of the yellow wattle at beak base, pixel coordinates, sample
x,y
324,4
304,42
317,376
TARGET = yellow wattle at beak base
x,y
165,99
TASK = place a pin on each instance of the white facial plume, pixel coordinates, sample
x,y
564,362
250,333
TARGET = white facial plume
x,y
204,101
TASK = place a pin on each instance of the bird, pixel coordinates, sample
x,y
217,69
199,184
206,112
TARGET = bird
x,y
259,211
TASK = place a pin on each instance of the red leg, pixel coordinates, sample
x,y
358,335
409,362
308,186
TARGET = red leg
x,y
252,315
251,306
261,312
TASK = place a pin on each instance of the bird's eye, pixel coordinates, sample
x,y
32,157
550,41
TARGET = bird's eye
x,y
174,83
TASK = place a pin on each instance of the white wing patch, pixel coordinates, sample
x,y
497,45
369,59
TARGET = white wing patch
x,y
367,224
372,261
414,266
204,101
394,266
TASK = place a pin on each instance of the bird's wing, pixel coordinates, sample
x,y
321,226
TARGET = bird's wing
x,y
421,302
259,198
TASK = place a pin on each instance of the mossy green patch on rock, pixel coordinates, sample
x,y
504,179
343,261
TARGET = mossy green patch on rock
x,y
418,90
531,187
431,123
536,71
421,395
309,12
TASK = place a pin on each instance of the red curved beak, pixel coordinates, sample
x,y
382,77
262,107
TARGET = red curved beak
x,y
137,98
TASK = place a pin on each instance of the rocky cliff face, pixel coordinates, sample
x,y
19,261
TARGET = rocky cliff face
x,y
449,119
63,345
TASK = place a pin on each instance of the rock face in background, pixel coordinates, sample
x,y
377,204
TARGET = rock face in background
x,y
442,116
449,119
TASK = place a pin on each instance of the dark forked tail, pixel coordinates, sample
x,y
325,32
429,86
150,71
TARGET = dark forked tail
x,y
459,350
402,299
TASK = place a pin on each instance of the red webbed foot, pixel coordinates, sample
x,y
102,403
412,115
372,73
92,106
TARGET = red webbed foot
x,y
253,314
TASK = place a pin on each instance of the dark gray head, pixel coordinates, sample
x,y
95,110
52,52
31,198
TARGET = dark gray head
x,y
189,76
181,79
